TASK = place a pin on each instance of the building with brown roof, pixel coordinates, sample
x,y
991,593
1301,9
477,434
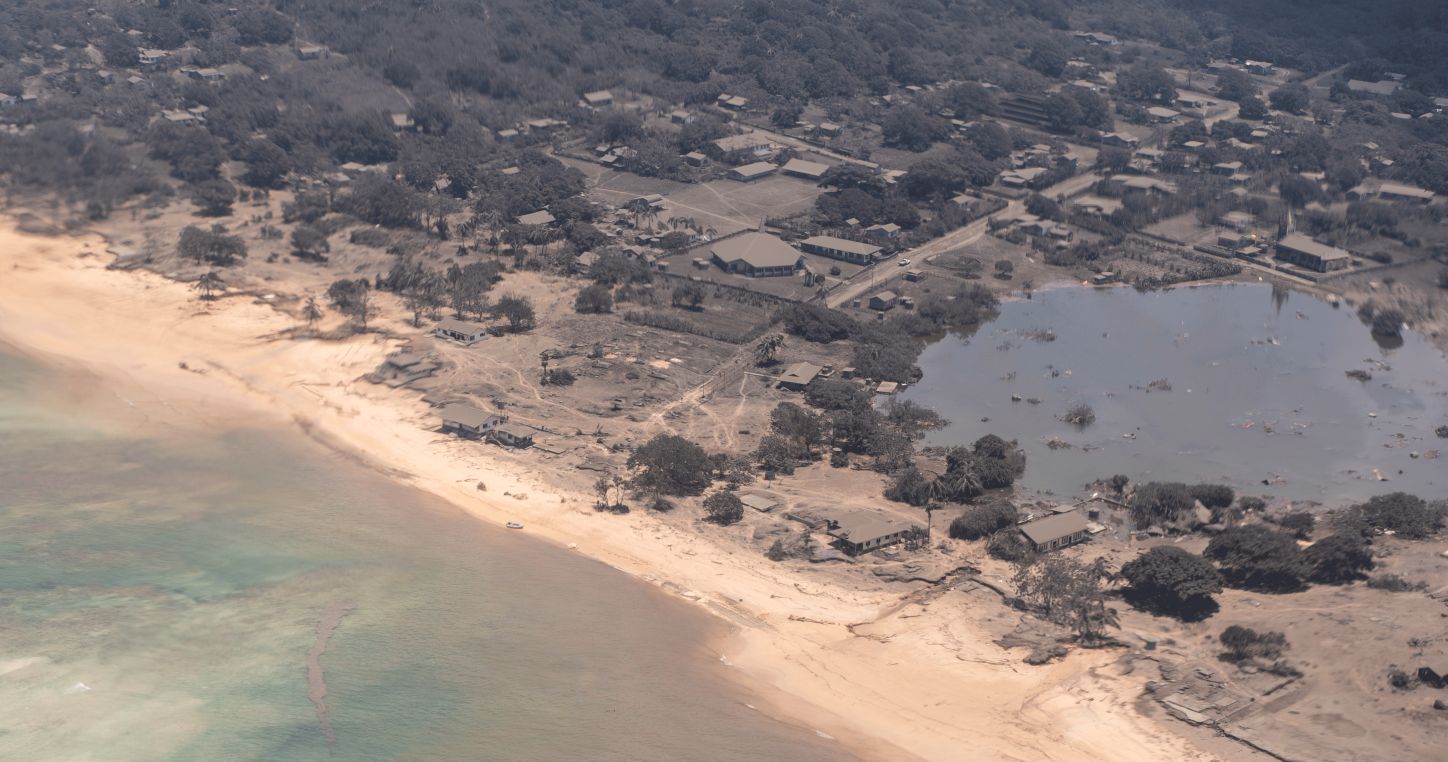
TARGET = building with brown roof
x,y
757,255
1055,531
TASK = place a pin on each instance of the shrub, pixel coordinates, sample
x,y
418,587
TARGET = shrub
x,y
724,508
1080,415
594,300
1213,496
1009,545
1396,584
1245,643
982,520
1170,581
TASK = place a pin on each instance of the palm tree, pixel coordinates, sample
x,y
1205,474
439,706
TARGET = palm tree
x,y
209,284
311,312
767,348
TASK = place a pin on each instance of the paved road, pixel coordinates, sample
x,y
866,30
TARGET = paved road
x,y
889,270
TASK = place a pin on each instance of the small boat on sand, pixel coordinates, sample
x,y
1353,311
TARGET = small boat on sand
x,y
514,525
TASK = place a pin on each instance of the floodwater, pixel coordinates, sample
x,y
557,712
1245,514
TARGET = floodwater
x,y
1257,392
160,599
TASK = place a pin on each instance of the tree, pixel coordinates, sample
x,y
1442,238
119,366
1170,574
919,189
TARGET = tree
x,y
209,284
687,295
352,298
266,164
517,310
594,300
1156,503
1291,97
1299,523
980,521
802,429
775,455
1252,107
424,293
213,198
1079,415
1339,558
212,246
1255,557
1170,581
1296,191
911,128
1145,82
310,243
724,508
1234,85
670,464
1407,515
767,348
311,312
1068,593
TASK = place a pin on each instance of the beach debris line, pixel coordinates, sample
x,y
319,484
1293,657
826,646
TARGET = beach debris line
x,y
316,681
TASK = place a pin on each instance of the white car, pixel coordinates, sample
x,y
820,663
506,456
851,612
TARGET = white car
x,y
904,263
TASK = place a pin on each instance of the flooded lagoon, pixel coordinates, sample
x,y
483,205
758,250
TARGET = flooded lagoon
x,y
160,598
1251,386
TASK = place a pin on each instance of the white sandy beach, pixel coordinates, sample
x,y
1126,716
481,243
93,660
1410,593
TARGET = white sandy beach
x,y
919,683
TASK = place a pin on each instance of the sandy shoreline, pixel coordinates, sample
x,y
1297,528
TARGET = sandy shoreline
x,y
892,693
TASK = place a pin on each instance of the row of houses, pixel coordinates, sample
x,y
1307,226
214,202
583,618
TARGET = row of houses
x,y
761,255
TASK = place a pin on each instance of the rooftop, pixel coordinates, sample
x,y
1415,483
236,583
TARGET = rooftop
x,y
756,250
841,244
465,415
1054,527
1300,242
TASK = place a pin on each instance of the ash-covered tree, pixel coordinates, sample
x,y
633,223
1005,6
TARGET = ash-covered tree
x,y
724,508
213,198
1299,523
775,455
1213,496
979,521
594,300
1068,593
1256,557
1406,515
689,296
352,298
212,246
1338,558
803,429
517,310
1291,97
310,243
1159,503
671,465
1168,580
208,284
767,348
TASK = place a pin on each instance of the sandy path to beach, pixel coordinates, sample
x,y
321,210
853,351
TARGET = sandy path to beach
x,y
911,690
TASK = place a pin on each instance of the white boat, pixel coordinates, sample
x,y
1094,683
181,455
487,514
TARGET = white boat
x,y
514,525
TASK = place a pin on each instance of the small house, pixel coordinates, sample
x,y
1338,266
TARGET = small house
x,y
887,388
883,301
1056,531
598,98
888,230
460,331
311,52
859,532
681,116
467,421
798,376
540,217
511,435
1305,252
